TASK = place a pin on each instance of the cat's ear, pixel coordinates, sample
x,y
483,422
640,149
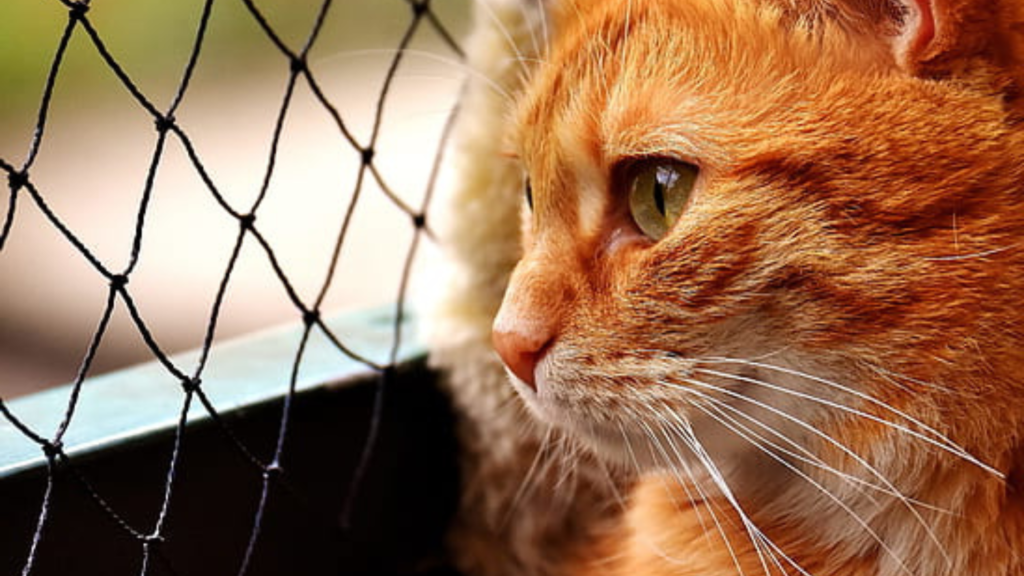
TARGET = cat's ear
x,y
942,38
948,37
915,27
980,42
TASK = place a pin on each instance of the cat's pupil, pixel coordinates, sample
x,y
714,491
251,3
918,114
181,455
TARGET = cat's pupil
x,y
529,195
659,193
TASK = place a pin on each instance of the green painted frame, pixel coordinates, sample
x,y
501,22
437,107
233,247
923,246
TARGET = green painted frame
x,y
143,400
330,514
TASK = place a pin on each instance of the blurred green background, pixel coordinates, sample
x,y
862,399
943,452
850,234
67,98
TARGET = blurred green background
x,y
152,39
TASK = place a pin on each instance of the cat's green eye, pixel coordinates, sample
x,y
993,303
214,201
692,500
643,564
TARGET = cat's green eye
x,y
658,193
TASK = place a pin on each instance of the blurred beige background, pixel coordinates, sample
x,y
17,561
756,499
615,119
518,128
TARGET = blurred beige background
x,y
98,145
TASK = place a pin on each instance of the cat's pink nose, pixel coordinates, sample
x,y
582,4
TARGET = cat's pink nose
x,y
530,318
520,349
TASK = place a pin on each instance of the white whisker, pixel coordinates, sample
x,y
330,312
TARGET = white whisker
x,y
612,485
537,44
544,27
939,440
982,254
506,34
528,483
629,450
763,546
832,441
656,442
568,470
807,457
453,62
682,461
842,505
894,377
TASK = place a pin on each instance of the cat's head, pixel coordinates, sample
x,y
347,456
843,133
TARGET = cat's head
x,y
768,225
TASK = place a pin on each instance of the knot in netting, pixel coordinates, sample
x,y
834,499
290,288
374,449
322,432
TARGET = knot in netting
x,y
191,385
419,8
367,155
247,221
273,470
298,65
52,449
419,220
77,10
164,123
310,317
17,180
118,281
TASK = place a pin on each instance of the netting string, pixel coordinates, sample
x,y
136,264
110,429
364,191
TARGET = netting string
x,y
272,472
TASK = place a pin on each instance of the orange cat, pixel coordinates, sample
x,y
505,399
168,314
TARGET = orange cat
x,y
773,263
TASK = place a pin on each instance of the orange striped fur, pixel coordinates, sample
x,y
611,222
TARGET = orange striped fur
x,y
820,369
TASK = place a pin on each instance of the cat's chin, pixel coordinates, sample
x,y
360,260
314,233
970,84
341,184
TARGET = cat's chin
x,y
631,445
616,448
616,443
539,399
625,449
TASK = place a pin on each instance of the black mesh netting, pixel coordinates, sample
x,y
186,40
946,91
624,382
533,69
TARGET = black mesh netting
x,y
148,535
